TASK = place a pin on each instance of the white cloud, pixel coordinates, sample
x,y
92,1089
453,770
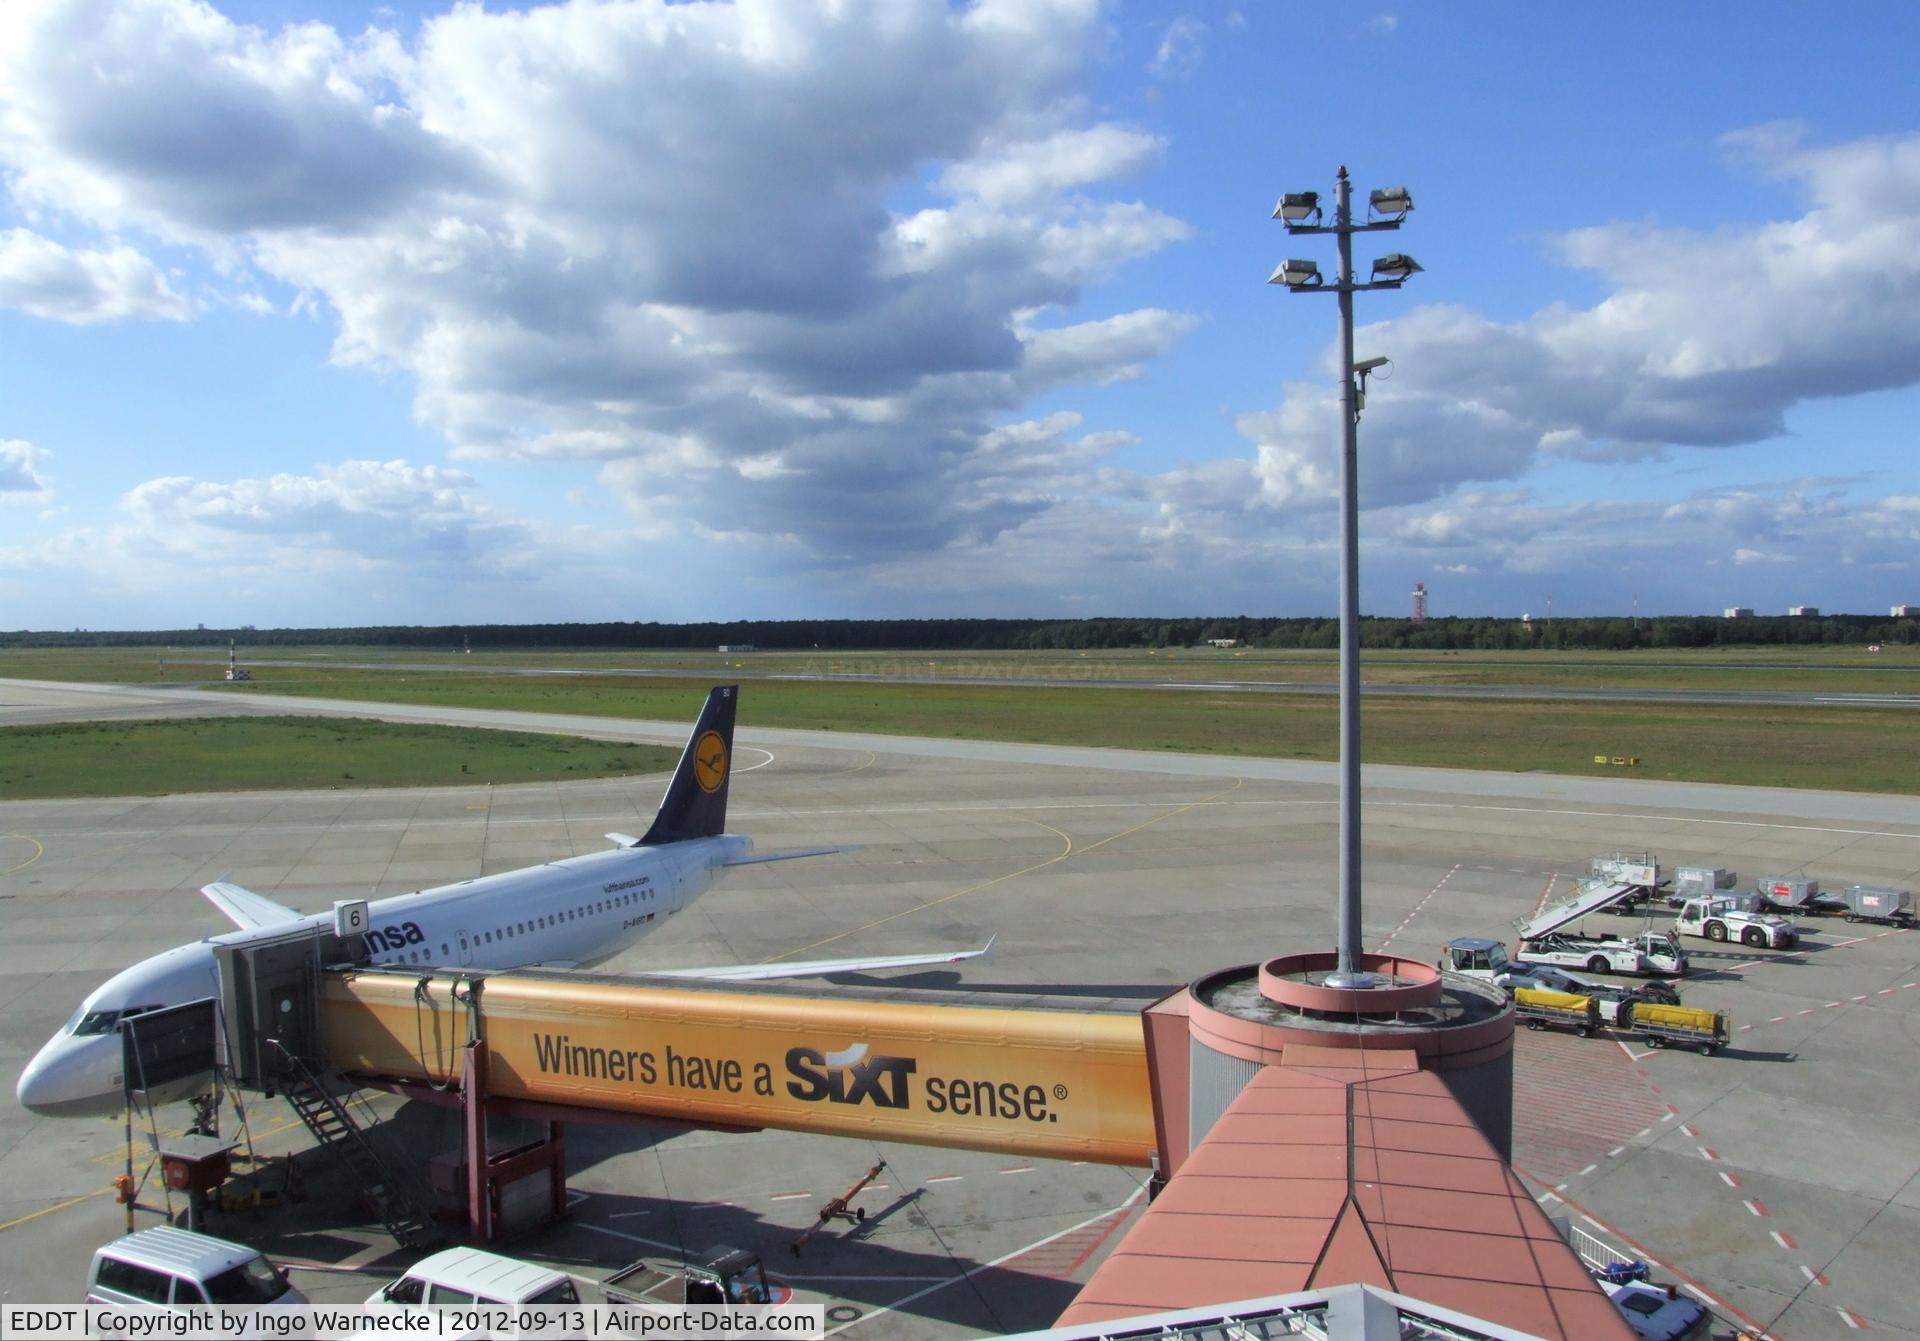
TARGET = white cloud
x,y
1030,171
355,514
117,283
1705,340
1182,49
799,273
650,235
20,477
166,114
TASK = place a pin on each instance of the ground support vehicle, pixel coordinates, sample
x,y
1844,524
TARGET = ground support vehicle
x,y
1721,919
1886,907
1856,903
728,1276
177,1268
1795,894
1480,957
1649,953
1702,881
1638,871
1652,1312
1659,1312
1475,957
1546,939
472,1276
1615,1002
1542,1009
1684,1026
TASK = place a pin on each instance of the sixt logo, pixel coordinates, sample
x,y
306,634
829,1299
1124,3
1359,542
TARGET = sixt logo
x,y
849,1076
397,937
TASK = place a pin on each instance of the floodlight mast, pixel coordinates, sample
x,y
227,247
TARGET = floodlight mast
x,y
1391,206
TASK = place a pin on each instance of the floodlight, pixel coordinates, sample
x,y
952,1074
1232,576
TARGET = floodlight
x,y
1296,275
1296,206
1394,268
1391,200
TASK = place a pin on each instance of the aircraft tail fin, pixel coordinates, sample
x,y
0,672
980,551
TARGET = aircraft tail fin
x,y
695,805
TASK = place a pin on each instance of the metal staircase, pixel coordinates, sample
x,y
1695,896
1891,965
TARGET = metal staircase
x,y
334,1128
1589,897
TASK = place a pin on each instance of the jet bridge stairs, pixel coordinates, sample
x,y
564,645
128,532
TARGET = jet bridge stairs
x,y
331,1124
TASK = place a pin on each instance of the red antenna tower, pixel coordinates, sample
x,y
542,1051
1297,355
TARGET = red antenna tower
x,y
1419,602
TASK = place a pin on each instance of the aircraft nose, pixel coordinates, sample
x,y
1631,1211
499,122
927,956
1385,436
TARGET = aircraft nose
x,y
55,1083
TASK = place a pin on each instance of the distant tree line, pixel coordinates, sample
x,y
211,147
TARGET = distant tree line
x,y
1445,634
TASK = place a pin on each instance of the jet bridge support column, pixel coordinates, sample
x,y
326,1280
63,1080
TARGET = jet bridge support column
x,y
492,1209
473,1113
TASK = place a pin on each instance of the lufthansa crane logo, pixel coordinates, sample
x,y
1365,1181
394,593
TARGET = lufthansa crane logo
x,y
710,762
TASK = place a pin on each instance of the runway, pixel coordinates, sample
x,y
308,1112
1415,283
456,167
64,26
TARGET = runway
x,y
1049,676
1098,870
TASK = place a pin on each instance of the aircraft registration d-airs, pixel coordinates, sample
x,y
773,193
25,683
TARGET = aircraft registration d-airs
x,y
560,915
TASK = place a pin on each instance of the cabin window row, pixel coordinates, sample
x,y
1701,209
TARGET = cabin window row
x,y
523,928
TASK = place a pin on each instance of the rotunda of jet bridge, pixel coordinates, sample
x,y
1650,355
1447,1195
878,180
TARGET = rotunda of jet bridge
x,y
1240,1020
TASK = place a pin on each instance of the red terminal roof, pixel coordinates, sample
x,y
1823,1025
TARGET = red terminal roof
x,y
1342,1166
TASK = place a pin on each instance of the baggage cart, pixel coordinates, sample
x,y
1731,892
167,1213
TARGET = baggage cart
x,y
1542,1009
1682,1026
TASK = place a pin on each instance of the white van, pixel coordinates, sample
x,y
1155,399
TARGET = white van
x,y
176,1268
470,1276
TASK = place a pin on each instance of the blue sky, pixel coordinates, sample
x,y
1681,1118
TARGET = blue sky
x,y
330,314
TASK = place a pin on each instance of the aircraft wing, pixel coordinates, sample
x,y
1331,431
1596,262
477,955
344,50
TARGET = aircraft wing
x,y
247,909
818,967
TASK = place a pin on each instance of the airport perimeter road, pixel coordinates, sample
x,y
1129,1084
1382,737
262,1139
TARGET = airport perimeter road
x,y
1779,1177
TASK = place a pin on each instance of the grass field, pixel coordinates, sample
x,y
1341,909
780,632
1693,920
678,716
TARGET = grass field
x,y
1813,668
1828,747
258,753
1847,749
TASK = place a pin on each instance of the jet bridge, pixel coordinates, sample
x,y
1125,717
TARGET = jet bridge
x,y
1590,897
1047,1076
1055,1077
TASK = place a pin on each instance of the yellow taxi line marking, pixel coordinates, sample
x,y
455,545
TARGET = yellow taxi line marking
x,y
39,851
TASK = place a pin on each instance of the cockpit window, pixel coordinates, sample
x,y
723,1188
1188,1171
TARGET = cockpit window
x,y
96,1022
103,1021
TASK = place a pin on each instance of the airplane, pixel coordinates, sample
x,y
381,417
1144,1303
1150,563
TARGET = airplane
x,y
564,914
